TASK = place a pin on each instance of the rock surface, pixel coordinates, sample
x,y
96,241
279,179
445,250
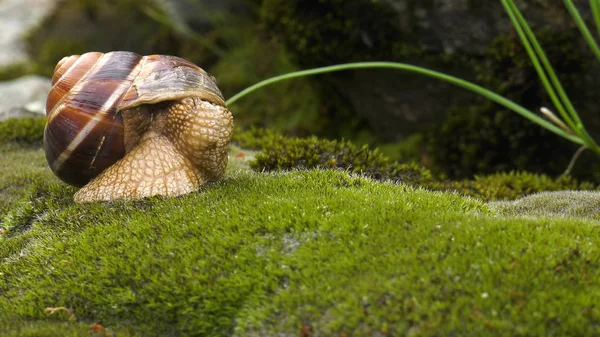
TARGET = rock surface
x,y
17,17
396,103
25,96
583,204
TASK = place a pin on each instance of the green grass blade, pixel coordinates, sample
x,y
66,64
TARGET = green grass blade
x,y
529,40
587,35
596,50
423,71
537,57
595,6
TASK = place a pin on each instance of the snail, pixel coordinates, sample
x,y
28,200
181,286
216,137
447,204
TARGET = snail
x,y
124,126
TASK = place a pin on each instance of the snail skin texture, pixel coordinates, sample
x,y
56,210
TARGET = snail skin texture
x,y
125,126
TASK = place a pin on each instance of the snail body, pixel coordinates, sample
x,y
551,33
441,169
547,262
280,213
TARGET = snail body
x,y
126,126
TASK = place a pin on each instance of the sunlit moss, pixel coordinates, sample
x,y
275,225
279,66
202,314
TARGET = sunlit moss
x,y
273,253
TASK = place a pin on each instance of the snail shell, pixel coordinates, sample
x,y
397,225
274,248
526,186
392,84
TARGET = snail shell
x,y
91,93
84,133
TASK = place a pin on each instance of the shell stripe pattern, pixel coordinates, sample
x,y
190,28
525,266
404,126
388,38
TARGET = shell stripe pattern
x,y
82,114
108,106
162,78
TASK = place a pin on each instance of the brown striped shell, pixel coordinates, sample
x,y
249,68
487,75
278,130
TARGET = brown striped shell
x,y
84,133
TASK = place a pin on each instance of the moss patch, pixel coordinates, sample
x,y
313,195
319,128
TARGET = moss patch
x,y
285,252
21,166
510,185
27,130
282,153
17,70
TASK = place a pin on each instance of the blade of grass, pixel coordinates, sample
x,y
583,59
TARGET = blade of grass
x,y
573,160
522,28
431,73
529,41
595,6
587,35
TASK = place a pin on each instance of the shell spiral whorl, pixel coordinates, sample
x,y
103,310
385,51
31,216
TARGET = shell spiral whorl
x,y
103,106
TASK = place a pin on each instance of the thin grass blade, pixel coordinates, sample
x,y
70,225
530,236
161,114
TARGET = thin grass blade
x,y
423,71
567,111
595,6
587,35
537,58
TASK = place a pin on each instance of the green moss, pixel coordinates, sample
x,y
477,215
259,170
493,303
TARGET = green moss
x,y
56,329
271,254
275,253
281,153
343,29
17,70
21,167
29,130
511,185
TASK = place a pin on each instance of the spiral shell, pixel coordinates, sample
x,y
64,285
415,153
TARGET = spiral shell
x,y
84,133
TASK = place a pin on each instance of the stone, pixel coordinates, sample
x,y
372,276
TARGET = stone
x,y
563,204
25,96
17,17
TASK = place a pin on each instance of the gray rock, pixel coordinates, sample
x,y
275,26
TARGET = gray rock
x,y
25,96
17,17
583,204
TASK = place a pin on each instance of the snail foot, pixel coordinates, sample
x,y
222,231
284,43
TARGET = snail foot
x,y
153,167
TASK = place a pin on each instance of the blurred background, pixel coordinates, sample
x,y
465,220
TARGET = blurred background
x,y
408,116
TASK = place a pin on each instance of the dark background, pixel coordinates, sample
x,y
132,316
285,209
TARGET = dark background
x,y
408,116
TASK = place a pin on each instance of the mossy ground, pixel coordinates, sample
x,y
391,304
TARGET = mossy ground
x,y
310,253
